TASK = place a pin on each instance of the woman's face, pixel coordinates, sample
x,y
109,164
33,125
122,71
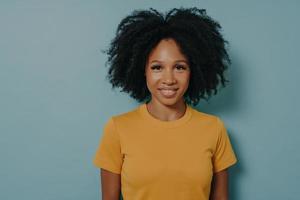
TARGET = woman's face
x,y
167,73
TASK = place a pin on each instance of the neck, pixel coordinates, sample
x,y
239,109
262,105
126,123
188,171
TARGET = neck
x,y
166,112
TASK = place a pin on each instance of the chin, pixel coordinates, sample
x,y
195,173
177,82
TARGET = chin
x,y
169,101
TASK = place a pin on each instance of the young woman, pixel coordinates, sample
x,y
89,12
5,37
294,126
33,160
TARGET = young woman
x,y
164,148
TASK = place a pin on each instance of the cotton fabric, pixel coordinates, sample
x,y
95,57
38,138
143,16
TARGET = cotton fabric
x,y
159,160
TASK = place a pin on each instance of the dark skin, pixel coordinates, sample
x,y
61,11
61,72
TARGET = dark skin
x,y
219,187
111,185
166,67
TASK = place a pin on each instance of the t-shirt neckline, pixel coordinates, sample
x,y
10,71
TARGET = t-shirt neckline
x,y
165,124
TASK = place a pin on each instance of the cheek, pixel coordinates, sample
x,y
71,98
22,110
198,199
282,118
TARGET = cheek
x,y
151,81
184,79
152,78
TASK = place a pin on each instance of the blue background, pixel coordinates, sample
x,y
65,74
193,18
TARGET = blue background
x,y
55,98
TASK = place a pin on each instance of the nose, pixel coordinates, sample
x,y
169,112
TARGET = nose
x,y
168,77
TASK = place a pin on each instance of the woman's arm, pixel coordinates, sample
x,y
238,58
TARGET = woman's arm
x,y
219,187
111,185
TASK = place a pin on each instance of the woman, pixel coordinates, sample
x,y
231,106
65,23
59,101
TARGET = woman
x,y
165,149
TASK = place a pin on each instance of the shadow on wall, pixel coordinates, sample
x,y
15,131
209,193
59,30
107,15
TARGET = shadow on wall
x,y
229,99
235,171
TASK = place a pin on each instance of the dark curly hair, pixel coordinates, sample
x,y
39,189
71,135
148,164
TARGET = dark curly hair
x,y
197,35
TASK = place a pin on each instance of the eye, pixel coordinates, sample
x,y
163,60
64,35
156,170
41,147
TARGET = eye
x,y
180,67
156,67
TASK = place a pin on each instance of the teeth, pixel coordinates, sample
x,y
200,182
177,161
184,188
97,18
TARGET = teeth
x,y
169,89
168,92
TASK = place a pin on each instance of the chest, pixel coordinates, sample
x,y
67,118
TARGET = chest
x,y
169,157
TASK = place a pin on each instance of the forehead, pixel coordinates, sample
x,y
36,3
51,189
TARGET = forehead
x,y
166,49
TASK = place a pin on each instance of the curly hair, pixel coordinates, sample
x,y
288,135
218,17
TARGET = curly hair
x,y
197,35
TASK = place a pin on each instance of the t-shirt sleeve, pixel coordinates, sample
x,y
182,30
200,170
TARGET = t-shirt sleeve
x,y
224,155
108,155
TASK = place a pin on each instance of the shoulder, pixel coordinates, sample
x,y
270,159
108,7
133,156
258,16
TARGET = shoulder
x,y
126,117
213,124
206,117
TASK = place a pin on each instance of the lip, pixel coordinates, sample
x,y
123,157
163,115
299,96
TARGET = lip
x,y
167,88
168,92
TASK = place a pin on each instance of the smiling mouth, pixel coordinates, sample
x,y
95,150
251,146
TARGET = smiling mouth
x,y
168,93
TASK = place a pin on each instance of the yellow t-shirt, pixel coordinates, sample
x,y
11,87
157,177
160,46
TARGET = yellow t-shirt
x,y
161,160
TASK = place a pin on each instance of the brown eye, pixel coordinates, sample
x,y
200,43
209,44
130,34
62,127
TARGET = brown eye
x,y
156,67
180,67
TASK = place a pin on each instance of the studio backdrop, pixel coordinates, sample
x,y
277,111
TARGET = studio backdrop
x,y
54,98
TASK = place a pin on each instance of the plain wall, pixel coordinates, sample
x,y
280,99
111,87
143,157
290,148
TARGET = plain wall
x,y
55,98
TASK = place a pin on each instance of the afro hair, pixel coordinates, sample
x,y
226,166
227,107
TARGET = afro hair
x,y
197,35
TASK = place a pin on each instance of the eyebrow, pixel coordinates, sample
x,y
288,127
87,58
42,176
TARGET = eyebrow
x,y
175,61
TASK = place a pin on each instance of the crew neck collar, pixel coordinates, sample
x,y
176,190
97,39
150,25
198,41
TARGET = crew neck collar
x,y
165,124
